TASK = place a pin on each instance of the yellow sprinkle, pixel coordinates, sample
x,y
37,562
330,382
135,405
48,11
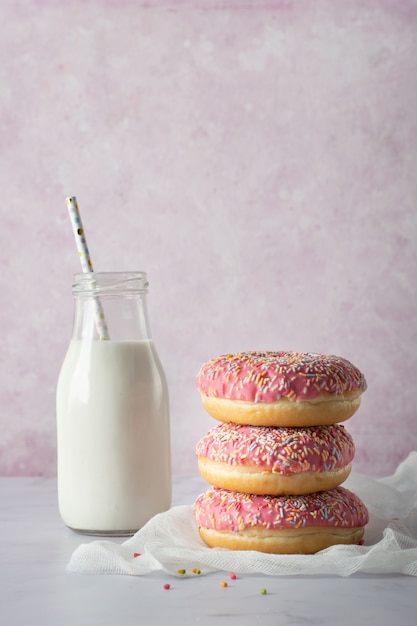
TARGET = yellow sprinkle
x,y
180,571
223,583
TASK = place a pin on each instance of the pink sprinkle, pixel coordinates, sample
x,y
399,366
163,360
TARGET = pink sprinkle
x,y
232,576
167,586
136,554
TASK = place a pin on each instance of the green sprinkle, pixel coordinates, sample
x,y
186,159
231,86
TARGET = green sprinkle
x,y
263,592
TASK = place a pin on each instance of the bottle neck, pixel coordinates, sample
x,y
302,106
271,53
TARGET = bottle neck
x,y
111,306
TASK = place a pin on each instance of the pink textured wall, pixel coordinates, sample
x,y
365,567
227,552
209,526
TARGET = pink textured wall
x,y
257,159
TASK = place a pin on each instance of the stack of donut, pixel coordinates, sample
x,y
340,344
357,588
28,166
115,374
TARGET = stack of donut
x,y
278,457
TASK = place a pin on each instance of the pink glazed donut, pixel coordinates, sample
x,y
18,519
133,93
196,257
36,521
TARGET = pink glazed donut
x,y
280,525
280,388
275,461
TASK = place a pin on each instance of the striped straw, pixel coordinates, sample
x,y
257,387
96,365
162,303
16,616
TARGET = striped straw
x,y
86,264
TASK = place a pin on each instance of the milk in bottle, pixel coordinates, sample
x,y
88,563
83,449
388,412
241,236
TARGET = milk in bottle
x,y
112,412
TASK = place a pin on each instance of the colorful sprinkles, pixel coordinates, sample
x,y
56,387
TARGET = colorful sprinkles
x,y
269,376
234,511
224,584
279,450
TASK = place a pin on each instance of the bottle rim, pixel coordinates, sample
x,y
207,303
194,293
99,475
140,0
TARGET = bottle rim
x,y
110,282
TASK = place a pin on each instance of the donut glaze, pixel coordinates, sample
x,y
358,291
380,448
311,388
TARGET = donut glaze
x,y
282,460
270,376
233,511
287,450
280,388
285,524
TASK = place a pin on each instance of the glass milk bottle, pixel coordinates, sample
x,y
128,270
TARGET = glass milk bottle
x,y
113,437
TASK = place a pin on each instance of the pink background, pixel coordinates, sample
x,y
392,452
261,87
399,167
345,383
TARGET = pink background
x,y
257,159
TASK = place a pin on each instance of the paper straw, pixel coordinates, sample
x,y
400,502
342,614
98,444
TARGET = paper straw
x,y
86,264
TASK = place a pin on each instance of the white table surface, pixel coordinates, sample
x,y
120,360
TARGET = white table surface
x,y
35,589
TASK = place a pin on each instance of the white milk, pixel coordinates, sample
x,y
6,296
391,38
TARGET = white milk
x,y
113,436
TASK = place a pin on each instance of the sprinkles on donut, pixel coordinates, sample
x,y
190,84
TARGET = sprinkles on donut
x,y
280,388
280,525
275,461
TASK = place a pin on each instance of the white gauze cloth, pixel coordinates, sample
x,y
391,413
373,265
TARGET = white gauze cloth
x,y
170,541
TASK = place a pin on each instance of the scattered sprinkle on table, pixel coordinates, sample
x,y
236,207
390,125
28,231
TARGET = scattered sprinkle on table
x,y
223,583
196,571
263,592
167,586
232,576
136,554
181,571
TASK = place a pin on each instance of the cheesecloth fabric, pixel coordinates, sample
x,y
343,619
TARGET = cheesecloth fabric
x,y
170,541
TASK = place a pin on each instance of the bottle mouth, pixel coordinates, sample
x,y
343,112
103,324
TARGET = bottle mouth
x,y
95,283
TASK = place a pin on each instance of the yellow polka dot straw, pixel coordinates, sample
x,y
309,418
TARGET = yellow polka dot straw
x,y
86,264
